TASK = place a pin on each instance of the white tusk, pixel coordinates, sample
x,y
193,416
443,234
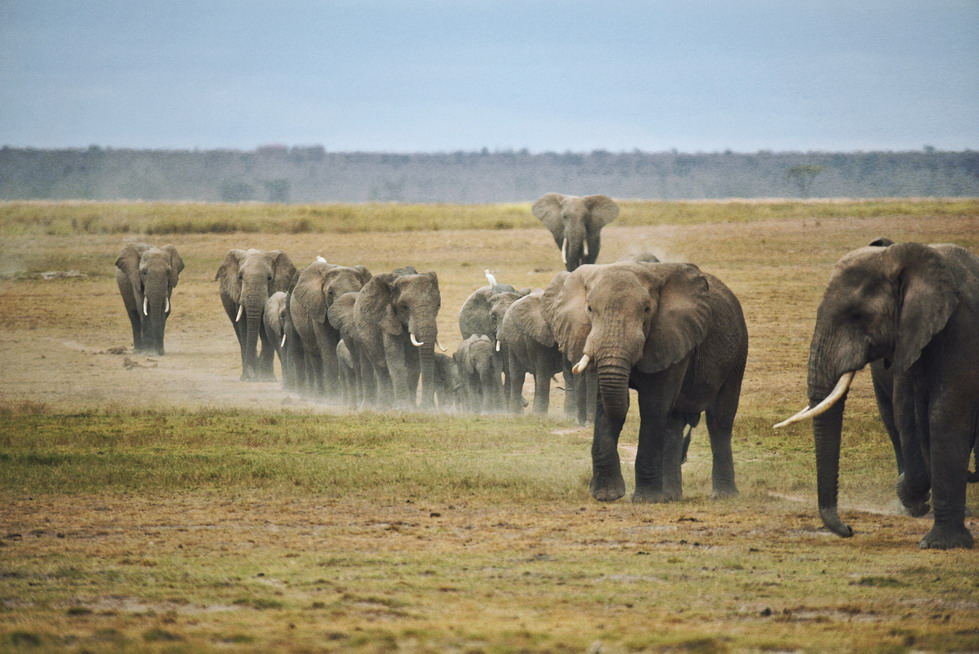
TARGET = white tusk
x,y
320,260
146,302
241,309
497,346
283,343
842,386
581,365
414,341
586,248
564,251
490,278
167,309
440,346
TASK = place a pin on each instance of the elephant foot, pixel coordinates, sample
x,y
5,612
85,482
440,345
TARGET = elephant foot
x,y
946,538
650,496
724,492
607,488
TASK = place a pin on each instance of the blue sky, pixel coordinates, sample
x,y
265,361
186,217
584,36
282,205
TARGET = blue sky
x,y
444,75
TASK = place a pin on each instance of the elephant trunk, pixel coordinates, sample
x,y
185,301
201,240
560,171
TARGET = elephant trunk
x,y
252,306
155,301
426,360
574,243
613,386
827,428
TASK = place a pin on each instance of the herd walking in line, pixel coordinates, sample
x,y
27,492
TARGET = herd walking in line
x,y
672,332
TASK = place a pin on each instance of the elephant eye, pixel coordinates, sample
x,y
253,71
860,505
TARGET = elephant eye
x,y
270,277
241,276
589,308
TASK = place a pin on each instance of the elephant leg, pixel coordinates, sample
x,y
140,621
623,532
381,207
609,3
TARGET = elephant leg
x,y
134,322
412,371
542,391
720,427
570,392
517,376
607,484
394,358
658,476
241,331
266,361
950,446
914,484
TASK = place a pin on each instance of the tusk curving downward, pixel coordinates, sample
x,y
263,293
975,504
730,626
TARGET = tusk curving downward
x,y
497,345
241,309
581,365
842,386
564,251
586,247
283,343
490,278
414,341
440,346
167,308
146,302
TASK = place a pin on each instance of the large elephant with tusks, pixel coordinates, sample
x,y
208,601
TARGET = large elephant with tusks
x,y
247,279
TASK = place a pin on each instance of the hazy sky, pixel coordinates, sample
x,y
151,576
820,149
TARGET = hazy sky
x,y
443,75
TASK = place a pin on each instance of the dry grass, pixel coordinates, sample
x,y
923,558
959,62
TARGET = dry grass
x,y
167,506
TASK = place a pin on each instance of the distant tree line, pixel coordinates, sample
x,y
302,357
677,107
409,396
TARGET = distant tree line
x,y
312,174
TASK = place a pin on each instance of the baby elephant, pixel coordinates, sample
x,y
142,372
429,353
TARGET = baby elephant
x,y
146,276
482,384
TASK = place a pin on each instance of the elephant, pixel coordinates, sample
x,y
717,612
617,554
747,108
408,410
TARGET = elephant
x,y
146,276
316,289
246,280
392,324
576,224
274,323
475,314
480,372
531,347
675,334
911,311
448,383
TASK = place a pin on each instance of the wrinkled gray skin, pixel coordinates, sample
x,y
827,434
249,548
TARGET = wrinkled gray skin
x,y
315,291
915,308
475,314
146,277
448,383
387,312
576,224
362,388
274,319
531,348
480,373
678,337
348,381
247,279
293,357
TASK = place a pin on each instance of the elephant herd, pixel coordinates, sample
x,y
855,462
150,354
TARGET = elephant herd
x,y
670,331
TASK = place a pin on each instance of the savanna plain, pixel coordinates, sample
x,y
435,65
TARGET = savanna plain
x,y
160,504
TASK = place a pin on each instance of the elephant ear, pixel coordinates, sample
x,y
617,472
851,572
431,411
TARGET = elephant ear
x,y
228,274
927,296
564,307
363,274
341,311
602,209
682,317
128,263
283,271
176,263
548,210
308,290
526,314
375,302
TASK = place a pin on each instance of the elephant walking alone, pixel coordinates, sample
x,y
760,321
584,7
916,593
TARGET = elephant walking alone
x,y
146,277
576,224
913,308
247,279
678,337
